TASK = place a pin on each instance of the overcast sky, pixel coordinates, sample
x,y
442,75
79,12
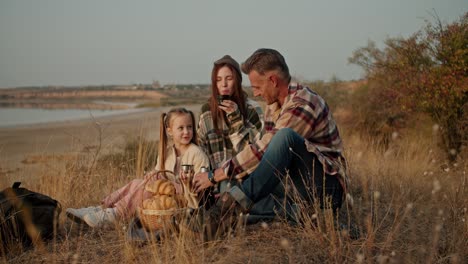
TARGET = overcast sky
x,y
97,42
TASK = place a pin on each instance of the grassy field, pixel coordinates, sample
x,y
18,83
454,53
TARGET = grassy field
x,y
410,206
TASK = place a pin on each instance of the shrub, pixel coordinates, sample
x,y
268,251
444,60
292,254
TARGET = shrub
x,y
426,72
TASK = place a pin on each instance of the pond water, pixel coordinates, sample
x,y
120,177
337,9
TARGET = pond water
x,y
11,116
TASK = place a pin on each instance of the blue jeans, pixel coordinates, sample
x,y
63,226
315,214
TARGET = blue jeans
x,y
287,155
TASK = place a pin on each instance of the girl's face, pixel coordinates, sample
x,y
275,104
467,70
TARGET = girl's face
x,y
225,81
180,129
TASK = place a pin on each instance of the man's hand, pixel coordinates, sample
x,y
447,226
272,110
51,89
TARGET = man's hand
x,y
202,182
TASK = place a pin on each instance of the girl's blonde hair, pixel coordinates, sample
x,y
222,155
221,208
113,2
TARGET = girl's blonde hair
x,y
165,122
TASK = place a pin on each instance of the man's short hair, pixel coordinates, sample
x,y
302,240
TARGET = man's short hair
x,y
264,60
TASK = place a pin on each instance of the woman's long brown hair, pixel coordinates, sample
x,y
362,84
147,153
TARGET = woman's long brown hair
x,y
238,96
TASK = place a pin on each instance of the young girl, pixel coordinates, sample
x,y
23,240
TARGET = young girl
x,y
178,125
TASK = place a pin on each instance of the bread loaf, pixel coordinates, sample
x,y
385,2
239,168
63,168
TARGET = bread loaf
x,y
152,204
168,202
161,187
167,188
160,202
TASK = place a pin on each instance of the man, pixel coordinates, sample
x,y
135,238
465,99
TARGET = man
x,y
301,145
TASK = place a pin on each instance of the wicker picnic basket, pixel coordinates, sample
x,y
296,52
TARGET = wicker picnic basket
x,y
152,219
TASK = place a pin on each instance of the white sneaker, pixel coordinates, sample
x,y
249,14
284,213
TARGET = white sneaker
x,y
77,215
98,219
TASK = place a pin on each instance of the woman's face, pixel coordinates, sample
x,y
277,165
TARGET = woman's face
x,y
225,81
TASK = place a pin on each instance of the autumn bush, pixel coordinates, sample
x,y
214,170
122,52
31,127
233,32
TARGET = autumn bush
x,y
424,73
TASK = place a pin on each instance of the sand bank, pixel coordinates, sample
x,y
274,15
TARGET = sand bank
x,y
20,146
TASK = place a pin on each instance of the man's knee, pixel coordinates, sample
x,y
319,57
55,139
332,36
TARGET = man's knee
x,y
288,138
283,138
284,133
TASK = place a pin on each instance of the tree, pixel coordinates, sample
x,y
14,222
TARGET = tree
x,y
426,72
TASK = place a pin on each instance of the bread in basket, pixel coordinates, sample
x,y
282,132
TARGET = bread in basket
x,y
160,209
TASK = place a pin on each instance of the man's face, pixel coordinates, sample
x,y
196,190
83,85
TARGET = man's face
x,y
264,86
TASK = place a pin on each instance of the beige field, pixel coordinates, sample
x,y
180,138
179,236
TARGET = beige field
x,y
409,203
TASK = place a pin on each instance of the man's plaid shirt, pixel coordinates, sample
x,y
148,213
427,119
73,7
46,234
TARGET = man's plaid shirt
x,y
221,146
305,112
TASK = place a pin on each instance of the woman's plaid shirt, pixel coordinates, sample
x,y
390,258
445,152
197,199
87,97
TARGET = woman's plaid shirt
x,y
221,146
305,112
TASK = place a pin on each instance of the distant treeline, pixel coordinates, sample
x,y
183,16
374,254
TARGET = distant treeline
x,y
107,87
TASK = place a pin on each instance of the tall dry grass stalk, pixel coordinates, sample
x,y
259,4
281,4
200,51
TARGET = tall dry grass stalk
x,y
409,205
407,196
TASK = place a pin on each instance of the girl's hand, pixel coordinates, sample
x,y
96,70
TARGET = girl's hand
x,y
178,188
228,106
185,177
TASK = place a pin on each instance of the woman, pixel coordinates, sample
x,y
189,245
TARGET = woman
x,y
228,122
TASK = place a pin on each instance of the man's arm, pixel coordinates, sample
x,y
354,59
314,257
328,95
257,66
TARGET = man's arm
x,y
303,117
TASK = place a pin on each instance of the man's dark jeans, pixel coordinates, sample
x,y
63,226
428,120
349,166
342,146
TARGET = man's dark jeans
x,y
287,155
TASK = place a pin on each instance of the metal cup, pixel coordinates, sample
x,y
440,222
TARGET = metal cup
x,y
186,168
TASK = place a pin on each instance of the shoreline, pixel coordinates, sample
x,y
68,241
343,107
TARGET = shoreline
x,y
76,118
21,144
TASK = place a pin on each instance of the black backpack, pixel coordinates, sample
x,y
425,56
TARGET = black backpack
x,y
27,217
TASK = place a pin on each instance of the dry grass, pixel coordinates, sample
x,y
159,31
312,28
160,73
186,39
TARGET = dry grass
x,y
410,206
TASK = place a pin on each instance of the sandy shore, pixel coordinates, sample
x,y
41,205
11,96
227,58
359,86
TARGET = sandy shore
x,y
21,146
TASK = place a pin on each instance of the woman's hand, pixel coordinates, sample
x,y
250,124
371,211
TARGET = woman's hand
x,y
228,106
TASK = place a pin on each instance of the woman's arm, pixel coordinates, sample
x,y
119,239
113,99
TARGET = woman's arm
x,y
244,132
